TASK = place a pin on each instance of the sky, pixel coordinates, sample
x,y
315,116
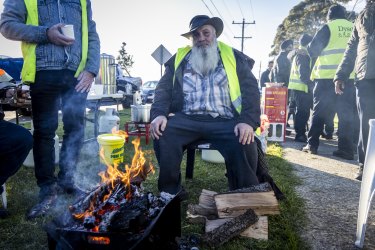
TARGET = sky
x,y
146,24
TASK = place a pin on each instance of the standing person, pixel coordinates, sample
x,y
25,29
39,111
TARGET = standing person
x,y
281,71
15,141
265,75
60,70
213,96
360,56
301,88
327,46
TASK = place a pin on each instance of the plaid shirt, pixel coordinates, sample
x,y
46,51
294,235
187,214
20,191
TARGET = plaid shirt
x,y
206,95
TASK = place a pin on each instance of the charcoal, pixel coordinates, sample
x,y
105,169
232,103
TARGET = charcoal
x,y
89,222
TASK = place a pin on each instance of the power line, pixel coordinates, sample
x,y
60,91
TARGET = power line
x,y
207,7
243,16
226,24
252,10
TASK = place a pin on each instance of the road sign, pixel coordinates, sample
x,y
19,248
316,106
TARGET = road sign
x,y
161,54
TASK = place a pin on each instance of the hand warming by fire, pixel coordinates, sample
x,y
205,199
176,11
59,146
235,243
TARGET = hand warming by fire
x,y
119,203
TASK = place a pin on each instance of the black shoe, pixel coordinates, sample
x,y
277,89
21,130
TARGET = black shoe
x,y
301,139
343,154
4,213
309,149
326,136
42,208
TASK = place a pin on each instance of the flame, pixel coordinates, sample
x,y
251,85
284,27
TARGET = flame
x,y
130,174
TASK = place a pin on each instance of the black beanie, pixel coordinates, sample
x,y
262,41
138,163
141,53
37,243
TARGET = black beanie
x,y
286,44
336,12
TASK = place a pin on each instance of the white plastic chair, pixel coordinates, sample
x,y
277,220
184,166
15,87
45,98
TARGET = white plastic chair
x,y
4,197
367,186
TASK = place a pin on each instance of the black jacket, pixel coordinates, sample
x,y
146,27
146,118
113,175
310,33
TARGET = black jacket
x,y
360,52
281,69
304,69
169,97
264,78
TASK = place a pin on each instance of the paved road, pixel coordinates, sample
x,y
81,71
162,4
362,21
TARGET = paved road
x,y
331,194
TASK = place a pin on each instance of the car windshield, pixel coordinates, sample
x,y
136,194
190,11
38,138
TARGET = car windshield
x,y
150,85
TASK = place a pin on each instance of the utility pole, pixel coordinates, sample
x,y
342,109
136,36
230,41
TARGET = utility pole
x,y
243,32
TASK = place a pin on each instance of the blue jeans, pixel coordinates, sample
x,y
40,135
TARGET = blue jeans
x,y
54,90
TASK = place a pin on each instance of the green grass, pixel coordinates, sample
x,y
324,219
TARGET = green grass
x,y
18,233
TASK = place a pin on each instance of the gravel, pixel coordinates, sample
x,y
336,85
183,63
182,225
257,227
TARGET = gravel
x,y
331,193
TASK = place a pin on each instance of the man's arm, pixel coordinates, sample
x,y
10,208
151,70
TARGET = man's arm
x,y
13,24
303,64
319,42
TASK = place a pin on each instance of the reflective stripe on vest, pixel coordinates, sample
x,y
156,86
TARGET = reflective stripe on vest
x,y
295,82
328,61
229,62
28,49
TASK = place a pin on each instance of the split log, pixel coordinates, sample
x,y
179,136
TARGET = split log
x,y
197,209
258,230
234,204
196,218
230,229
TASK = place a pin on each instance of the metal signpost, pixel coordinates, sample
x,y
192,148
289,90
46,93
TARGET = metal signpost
x,y
161,55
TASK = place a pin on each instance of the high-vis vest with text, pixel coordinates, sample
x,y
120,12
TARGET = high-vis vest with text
x,y
327,63
229,62
295,82
28,49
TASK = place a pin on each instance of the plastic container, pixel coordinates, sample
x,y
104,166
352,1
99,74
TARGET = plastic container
x,y
109,121
29,161
113,146
213,156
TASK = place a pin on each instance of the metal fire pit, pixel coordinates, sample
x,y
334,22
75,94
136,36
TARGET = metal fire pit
x,y
159,234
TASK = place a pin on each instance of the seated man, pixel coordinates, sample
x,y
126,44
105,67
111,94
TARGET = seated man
x,y
206,93
15,141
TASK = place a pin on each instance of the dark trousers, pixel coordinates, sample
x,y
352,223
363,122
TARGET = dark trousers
x,y
15,144
51,91
324,102
366,111
241,160
348,117
303,103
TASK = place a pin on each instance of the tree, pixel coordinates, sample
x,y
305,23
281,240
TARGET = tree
x,y
124,59
306,17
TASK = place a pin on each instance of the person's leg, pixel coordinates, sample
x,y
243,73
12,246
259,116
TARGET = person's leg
x,y
241,160
45,102
324,98
16,142
346,114
73,105
179,132
302,114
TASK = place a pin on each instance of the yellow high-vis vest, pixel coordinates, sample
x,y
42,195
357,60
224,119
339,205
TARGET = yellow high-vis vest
x,y
327,63
229,62
295,82
28,49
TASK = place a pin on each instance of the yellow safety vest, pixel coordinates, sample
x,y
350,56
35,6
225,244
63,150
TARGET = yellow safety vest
x,y
28,49
295,82
229,62
327,63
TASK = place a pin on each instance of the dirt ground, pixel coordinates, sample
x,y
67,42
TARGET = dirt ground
x,y
331,193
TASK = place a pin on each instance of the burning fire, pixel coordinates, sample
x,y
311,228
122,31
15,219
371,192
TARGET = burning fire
x,y
118,185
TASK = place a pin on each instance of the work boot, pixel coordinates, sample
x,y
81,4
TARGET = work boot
x,y
301,138
309,149
42,208
343,154
360,172
72,189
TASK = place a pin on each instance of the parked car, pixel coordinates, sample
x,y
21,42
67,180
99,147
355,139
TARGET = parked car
x,y
127,84
148,91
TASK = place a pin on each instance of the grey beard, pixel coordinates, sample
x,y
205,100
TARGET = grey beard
x,y
204,60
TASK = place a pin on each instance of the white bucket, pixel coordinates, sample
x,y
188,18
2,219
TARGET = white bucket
x,y
109,121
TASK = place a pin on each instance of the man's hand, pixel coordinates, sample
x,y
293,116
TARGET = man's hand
x,y
56,37
85,80
157,126
245,133
339,86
